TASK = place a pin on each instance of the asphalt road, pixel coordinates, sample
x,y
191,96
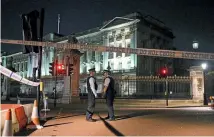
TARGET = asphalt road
x,y
186,121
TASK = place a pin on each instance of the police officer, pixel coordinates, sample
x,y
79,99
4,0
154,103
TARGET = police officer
x,y
92,94
109,94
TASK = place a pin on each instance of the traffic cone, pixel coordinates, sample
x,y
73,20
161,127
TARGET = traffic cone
x,y
35,116
8,124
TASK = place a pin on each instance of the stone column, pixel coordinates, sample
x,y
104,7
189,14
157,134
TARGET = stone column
x,y
197,83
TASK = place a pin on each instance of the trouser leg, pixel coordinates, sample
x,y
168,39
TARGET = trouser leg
x,y
91,106
109,102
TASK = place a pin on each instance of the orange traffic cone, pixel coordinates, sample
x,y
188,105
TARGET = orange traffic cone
x,y
35,117
8,124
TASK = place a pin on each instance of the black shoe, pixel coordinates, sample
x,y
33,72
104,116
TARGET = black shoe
x,y
106,117
91,120
111,119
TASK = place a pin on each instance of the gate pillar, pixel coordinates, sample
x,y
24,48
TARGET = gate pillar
x,y
197,83
74,58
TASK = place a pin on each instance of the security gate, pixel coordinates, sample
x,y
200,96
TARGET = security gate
x,y
153,87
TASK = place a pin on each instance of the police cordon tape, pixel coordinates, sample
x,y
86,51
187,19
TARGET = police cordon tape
x,y
17,77
138,51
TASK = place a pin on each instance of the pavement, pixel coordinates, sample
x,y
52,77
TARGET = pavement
x,y
69,120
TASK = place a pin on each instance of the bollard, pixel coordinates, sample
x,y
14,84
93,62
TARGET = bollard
x,y
212,101
45,109
18,100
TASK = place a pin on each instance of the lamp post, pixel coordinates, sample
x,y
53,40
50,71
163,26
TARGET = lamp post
x,y
204,67
195,45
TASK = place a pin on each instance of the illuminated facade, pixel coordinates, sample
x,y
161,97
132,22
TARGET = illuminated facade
x,y
131,31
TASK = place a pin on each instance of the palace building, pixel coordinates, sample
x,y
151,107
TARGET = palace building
x,y
131,31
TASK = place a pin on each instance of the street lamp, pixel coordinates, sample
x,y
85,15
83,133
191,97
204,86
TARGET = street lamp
x,y
195,44
204,67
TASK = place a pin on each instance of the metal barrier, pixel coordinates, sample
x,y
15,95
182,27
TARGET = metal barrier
x,y
152,87
149,87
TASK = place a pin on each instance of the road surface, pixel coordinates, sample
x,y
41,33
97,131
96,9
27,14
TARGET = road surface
x,y
184,121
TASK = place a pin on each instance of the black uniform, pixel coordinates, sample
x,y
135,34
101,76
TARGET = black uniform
x,y
110,94
91,99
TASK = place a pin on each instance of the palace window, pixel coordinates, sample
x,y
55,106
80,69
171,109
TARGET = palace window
x,y
128,46
17,69
120,65
129,64
14,65
21,66
84,70
119,54
111,55
93,59
26,67
112,65
119,37
111,39
84,57
89,56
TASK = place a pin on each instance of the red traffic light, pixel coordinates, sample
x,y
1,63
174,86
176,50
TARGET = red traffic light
x,y
164,71
60,67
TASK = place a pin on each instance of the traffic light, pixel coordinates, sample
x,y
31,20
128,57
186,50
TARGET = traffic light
x,y
60,69
164,72
70,69
52,68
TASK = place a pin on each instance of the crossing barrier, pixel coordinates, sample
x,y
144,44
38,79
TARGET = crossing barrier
x,y
20,116
28,108
17,77
15,123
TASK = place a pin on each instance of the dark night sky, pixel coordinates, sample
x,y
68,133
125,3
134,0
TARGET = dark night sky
x,y
189,19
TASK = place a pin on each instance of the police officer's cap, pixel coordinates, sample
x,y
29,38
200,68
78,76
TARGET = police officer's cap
x,y
92,70
106,71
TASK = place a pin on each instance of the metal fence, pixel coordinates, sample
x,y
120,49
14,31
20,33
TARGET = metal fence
x,y
144,87
26,91
153,87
